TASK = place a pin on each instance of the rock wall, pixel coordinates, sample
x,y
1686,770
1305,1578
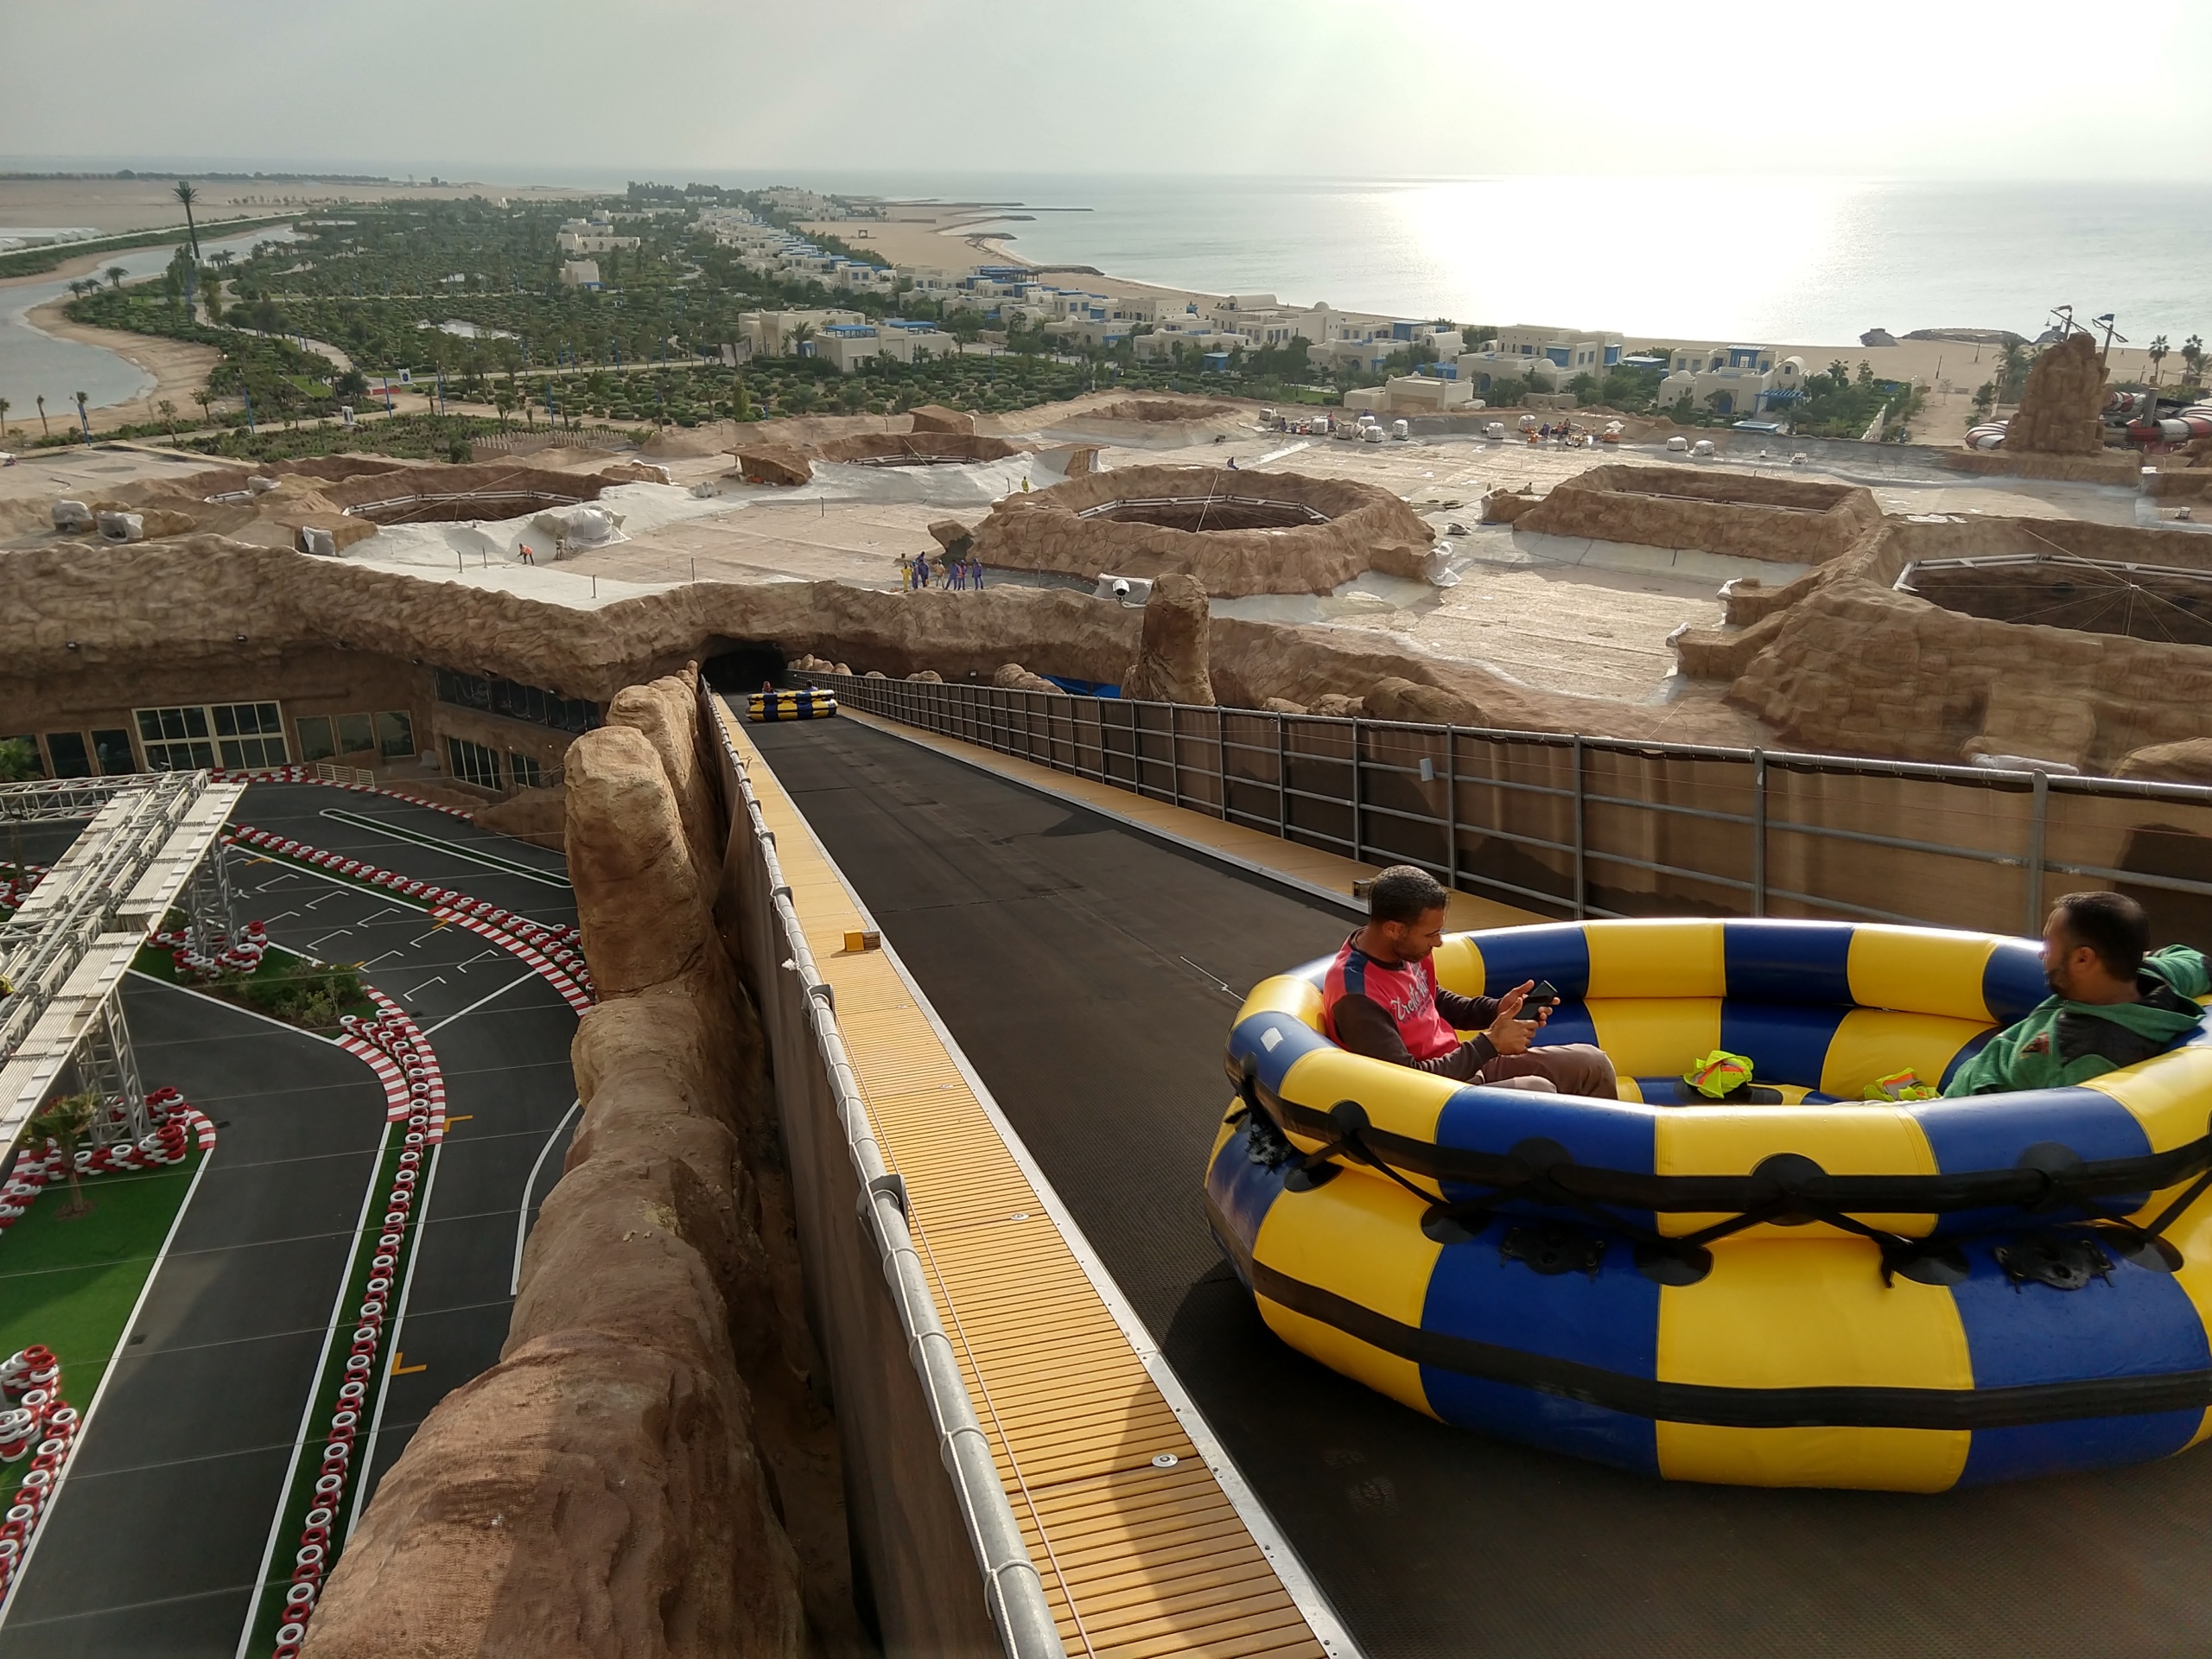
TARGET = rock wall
x,y
1367,529
1751,516
1171,665
645,1473
2061,408
1840,659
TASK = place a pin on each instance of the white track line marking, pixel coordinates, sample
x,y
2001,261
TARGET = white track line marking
x,y
522,1221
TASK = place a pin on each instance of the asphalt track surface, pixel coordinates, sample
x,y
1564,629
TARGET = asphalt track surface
x,y
1080,965
153,1545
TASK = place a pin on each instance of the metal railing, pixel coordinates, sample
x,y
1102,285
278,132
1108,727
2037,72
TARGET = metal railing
x,y
1574,827
909,1528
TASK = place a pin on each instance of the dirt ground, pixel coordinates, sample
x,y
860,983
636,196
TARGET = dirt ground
x,y
149,203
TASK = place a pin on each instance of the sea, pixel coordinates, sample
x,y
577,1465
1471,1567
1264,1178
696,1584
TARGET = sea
x,y
34,364
1784,261
1794,260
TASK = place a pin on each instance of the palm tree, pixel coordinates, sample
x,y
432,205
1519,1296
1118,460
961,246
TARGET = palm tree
x,y
221,259
66,1120
2158,355
4,407
2192,352
188,195
800,335
115,275
45,431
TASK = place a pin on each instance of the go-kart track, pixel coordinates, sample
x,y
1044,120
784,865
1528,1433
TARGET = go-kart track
x,y
1091,972
165,1523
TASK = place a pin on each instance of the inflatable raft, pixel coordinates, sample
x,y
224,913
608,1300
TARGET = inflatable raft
x,y
808,702
1821,1290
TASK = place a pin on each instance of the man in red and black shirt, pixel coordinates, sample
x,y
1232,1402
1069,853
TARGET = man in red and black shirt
x,y
1382,999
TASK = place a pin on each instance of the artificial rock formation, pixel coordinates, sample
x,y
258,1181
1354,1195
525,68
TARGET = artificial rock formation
x,y
1790,521
1249,533
1842,660
2061,409
953,537
631,1478
1012,676
537,815
1171,665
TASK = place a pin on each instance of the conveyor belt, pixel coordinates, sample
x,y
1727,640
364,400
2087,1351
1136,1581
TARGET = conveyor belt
x,y
1080,964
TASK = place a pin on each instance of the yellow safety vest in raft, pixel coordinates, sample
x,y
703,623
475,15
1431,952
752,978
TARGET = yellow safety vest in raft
x,y
1830,1291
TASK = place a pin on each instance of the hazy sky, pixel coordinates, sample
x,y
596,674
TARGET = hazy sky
x,y
523,91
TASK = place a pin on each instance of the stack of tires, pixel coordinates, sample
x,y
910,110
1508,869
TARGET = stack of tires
x,y
38,1423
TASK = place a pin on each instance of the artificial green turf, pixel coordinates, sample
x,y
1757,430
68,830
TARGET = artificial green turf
x,y
71,1285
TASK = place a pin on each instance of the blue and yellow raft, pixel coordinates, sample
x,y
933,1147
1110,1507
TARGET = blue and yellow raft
x,y
1830,1291
805,702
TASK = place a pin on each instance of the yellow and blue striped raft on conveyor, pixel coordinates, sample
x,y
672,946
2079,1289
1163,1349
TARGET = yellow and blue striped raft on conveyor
x,y
806,703
1829,1291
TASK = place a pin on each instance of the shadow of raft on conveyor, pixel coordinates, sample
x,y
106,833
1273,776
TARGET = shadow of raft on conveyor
x,y
1058,949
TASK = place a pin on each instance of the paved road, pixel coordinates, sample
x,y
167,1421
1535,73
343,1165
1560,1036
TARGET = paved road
x,y
1079,964
154,1545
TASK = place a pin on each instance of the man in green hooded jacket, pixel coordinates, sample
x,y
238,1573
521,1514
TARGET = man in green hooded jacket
x,y
2114,1002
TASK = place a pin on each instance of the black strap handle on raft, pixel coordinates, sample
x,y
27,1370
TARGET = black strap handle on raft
x,y
2041,1184
1785,1188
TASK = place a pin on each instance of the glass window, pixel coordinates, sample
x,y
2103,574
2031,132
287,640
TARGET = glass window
x,y
113,750
180,757
226,720
250,752
355,733
316,740
525,770
396,734
67,755
37,760
149,725
472,763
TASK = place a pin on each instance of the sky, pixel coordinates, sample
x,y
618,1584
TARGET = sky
x,y
558,91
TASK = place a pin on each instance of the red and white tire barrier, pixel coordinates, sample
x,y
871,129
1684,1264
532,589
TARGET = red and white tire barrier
x,y
240,956
560,966
17,885
393,1046
555,951
302,775
36,1423
314,1554
178,1125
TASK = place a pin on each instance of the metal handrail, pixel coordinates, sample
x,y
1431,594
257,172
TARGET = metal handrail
x,y
1012,1588
1141,747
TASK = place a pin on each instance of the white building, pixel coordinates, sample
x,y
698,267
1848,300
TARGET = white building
x,y
851,346
776,334
581,273
1540,355
1741,380
593,241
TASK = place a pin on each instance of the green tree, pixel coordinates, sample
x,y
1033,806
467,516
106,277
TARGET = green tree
x,y
1985,398
2192,354
168,412
19,761
115,275
185,193
2156,353
4,407
66,1120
